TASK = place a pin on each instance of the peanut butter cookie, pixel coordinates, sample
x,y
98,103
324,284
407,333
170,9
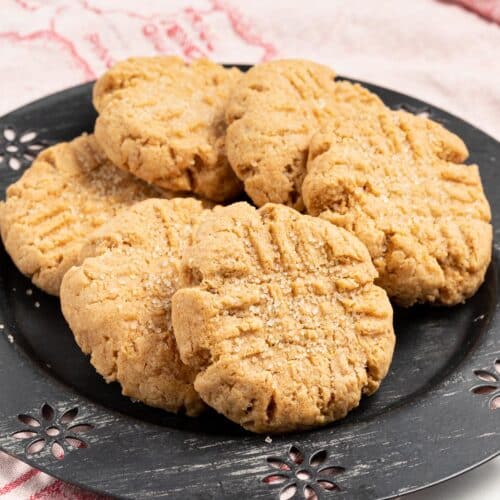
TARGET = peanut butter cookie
x,y
271,116
280,318
117,302
69,190
163,120
397,182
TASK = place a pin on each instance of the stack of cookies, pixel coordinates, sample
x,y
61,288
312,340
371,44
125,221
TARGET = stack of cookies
x,y
276,313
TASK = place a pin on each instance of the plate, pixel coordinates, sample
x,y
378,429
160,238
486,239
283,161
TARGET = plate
x,y
436,415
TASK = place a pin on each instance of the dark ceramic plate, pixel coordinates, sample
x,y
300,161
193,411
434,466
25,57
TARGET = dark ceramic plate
x,y
433,418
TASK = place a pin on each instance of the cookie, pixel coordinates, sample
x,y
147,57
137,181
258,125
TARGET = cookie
x,y
280,318
117,302
271,115
69,190
398,182
163,120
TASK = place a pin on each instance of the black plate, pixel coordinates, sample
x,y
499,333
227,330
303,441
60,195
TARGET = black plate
x,y
434,416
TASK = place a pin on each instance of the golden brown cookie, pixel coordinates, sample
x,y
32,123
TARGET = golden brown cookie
x,y
69,190
271,115
163,120
397,182
280,318
117,302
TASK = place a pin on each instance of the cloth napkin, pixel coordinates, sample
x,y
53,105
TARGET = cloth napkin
x,y
489,9
435,50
